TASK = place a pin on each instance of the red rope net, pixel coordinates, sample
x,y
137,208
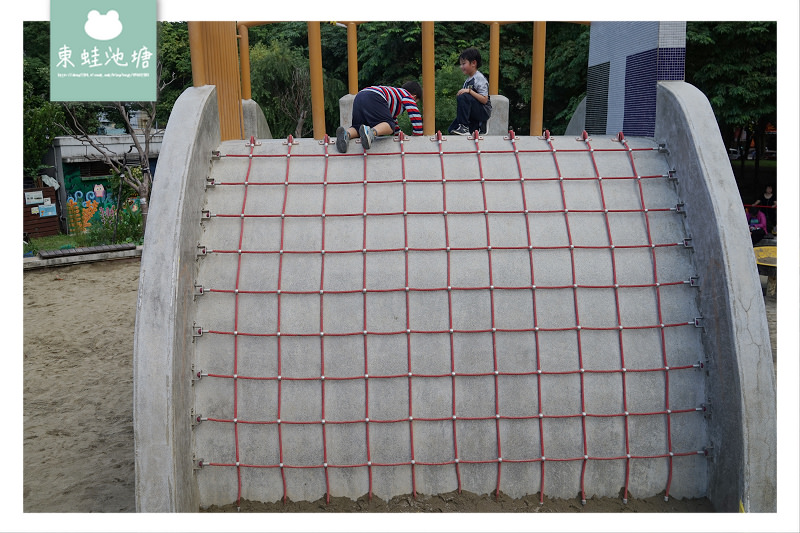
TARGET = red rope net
x,y
414,381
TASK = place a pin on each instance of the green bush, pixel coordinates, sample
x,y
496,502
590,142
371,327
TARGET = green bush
x,y
113,229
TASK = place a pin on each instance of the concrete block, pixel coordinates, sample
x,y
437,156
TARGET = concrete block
x,y
346,110
498,121
255,123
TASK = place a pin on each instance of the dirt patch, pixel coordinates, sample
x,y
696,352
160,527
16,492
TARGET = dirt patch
x,y
467,502
78,387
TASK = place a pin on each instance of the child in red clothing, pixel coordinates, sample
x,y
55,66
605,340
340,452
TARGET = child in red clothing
x,y
375,112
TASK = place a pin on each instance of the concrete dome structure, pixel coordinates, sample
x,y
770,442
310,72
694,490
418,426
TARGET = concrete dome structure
x,y
552,315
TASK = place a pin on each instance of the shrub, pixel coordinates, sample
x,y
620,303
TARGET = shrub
x,y
115,227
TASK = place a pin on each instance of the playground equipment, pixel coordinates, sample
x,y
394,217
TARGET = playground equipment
x,y
557,315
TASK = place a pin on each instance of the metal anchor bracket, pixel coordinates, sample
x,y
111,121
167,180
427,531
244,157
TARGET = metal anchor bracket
x,y
679,208
707,409
198,290
215,155
201,250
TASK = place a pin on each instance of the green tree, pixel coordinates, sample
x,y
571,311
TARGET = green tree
x,y
735,65
280,84
39,129
175,65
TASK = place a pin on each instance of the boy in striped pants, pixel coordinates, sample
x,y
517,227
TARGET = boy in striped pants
x,y
375,112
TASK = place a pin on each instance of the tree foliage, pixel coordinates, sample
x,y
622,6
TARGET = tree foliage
x,y
735,65
176,66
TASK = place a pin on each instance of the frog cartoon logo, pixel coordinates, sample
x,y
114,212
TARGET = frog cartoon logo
x,y
103,27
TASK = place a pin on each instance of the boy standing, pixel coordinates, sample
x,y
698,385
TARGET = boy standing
x,y
473,106
375,112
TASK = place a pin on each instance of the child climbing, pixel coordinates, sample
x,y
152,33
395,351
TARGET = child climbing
x,y
473,106
375,112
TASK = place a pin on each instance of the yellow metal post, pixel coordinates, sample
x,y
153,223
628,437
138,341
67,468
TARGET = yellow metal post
x,y
315,71
244,61
352,58
494,57
428,81
215,62
537,78
197,54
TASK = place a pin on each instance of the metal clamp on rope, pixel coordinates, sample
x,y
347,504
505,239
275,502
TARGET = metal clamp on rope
x,y
198,290
197,464
198,375
205,213
253,142
201,250
662,148
679,208
197,331
438,137
210,182
215,155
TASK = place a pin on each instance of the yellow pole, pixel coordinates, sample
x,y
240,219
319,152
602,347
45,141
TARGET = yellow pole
x,y
494,57
196,53
537,78
244,61
315,71
215,62
428,81
352,58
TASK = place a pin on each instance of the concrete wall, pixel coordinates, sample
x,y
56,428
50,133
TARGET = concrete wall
x,y
740,382
162,356
255,123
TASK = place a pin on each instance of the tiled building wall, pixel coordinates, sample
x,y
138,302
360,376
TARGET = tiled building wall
x,y
626,60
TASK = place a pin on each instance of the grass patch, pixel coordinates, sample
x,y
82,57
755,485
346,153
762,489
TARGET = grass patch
x,y
51,242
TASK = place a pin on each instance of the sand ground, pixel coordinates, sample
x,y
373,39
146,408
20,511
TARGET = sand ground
x,y
77,408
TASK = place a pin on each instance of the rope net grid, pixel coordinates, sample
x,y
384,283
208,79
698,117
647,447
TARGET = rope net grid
x,y
431,316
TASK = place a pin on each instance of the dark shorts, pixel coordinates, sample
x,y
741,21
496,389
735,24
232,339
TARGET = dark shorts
x,y
371,109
